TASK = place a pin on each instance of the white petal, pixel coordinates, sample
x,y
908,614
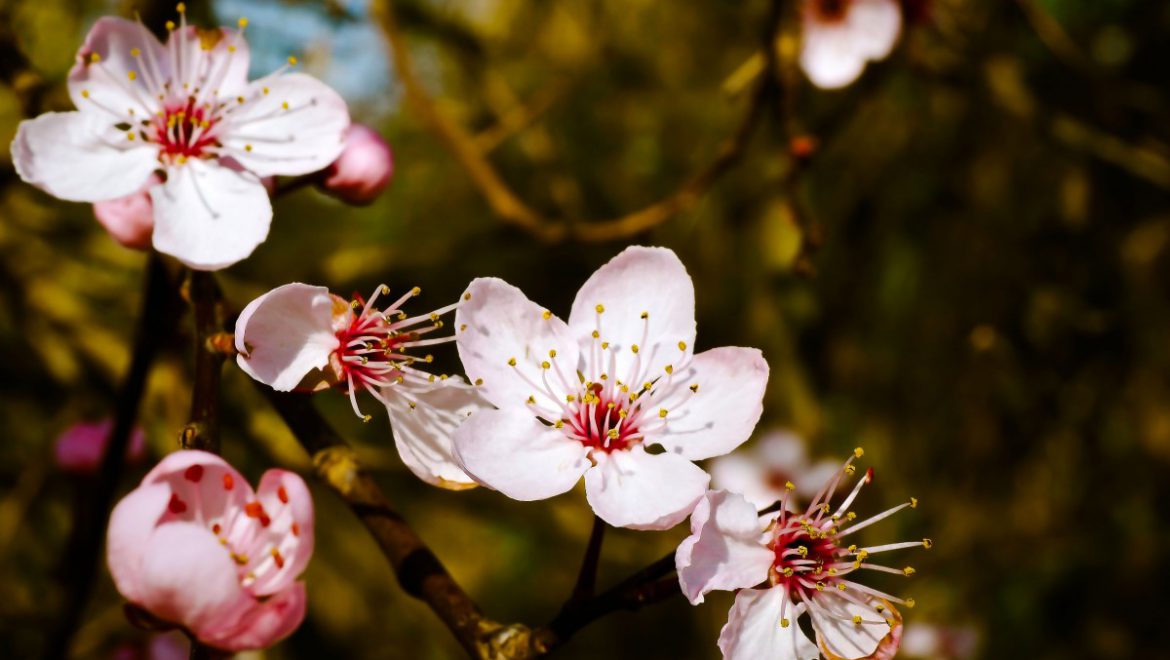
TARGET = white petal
x,y
424,434
515,454
286,333
221,69
209,216
268,139
783,451
80,157
642,491
810,481
640,279
832,617
722,413
502,324
725,549
745,474
753,629
833,54
875,25
103,87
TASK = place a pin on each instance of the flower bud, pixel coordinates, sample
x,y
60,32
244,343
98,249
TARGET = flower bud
x,y
80,448
364,168
129,219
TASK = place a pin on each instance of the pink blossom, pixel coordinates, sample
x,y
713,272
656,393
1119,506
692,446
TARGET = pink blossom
x,y
761,472
804,566
299,336
79,449
841,36
591,397
196,546
129,219
185,109
364,168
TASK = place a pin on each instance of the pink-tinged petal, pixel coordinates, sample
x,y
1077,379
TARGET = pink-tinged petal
x,y
266,623
724,550
833,54
364,168
80,448
132,523
838,637
747,475
285,334
215,59
289,124
176,464
510,451
642,491
498,325
99,82
640,280
209,216
188,578
80,157
286,501
424,433
129,219
754,631
722,412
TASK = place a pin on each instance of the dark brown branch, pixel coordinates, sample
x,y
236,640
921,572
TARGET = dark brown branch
x,y
508,206
202,432
587,577
160,311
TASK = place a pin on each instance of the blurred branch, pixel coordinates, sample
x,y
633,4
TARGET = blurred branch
x,y
587,577
202,431
1142,162
160,310
1055,38
508,206
520,116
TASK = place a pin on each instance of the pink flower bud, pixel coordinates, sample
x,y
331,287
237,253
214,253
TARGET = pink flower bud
x,y
364,168
194,545
129,219
80,448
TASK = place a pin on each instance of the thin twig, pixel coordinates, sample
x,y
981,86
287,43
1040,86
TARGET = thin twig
x,y
587,577
160,306
510,208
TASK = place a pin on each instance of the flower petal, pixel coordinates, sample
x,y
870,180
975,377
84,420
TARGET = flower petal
x,y
754,629
286,333
510,451
745,474
875,26
648,280
100,83
78,157
209,216
642,491
834,54
131,524
289,124
722,413
837,635
424,433
266,623
130,219
285,498
498,324
724,550
188,578
212,59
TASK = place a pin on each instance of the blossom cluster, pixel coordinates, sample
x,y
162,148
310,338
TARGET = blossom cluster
x,y
179,151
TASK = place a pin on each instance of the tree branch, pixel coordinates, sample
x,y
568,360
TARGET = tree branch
x,y
202,432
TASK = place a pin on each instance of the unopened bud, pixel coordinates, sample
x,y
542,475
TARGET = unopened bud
x,y
363,169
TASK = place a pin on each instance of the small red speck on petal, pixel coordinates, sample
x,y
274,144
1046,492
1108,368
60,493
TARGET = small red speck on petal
x,y
277,558
296,529
176,505
216,529
194,473
282,494
869,476
228,482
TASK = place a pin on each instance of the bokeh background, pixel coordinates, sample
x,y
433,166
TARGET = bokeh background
x,y
969,278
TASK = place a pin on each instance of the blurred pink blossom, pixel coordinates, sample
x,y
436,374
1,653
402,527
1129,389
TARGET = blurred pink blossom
x,y
364,168
762,471
79,449
196,546
841,36
129,219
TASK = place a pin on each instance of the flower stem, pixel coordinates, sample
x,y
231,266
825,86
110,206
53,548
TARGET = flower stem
x,y
202,432
587,577
160,307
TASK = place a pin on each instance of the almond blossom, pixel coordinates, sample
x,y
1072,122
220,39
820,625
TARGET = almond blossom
x,y
761,472
840,36
789,564
185,109
194,545
300,336
616,394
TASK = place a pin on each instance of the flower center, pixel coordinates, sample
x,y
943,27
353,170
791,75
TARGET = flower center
x,y
184,131
602,422
831,11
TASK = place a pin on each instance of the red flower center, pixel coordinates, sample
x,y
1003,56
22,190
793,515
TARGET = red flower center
x,y
830,11
184,131
601,423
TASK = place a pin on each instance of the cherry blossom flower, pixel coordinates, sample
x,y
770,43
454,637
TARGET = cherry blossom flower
x,y
185,109
364,168
299,336
804,566
79,449
841,36
194,545
130,219
762,472
615,394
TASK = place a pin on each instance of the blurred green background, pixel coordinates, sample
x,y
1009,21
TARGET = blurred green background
x,y
969,278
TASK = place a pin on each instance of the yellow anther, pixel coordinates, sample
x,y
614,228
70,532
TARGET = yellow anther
x,y
613,434
181,7
546,315
788,572
604,345
695,388
840,586
462,327
531,400
879,608
645,315
622,414
429,359
863,554
682,346
130,136
182,160
570,398
856,565
545,365
634,348
820,586
552,353
431,378
910,603
927,543
784,623
852,548
240,100
909,570
417,290
669,369
662,413
134,52
511,362
560,424
891,623
94,58
292,60
850,469
284,105
802,551
247,147
647,385
858,452
833,571
913,502
413,405
824,507
240,559
478,382
366,418
170,26
243,22
788,485
85,93
611,405
596,334
852,515
856,619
